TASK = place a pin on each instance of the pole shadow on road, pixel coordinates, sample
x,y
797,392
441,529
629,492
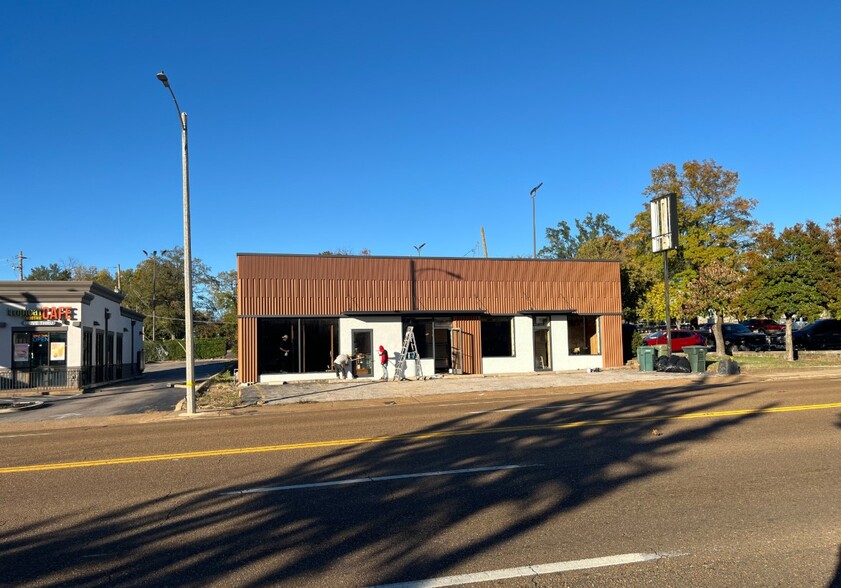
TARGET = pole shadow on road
x,y
392,530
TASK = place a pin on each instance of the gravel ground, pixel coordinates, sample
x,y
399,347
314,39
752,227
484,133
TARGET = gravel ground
x,y
367,389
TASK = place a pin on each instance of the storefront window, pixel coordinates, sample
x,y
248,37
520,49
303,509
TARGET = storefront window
x,y
583,335
424,336
20,351
497,337
39,349
297,345
58,349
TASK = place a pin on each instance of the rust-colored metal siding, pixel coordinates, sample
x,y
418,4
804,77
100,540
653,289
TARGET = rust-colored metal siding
x,y
314,285
612,341
284,285
471,330
247,349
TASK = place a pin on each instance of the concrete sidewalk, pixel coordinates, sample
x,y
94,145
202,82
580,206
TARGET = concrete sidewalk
x,y
367,389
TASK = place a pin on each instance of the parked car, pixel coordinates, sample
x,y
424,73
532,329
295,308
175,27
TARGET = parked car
x,y
764,326
799,323
680,338
737,337
821,334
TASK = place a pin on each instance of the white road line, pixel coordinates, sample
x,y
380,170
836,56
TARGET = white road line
x,y
379,479
535,570
25,435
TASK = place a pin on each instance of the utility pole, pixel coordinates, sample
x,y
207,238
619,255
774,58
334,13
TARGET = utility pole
x,y
154,257
19,265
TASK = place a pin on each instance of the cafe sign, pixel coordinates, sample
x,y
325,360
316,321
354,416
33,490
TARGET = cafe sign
x,y
43,314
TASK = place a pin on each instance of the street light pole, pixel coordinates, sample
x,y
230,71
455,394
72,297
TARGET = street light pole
x,y
154,257
188,261
533,219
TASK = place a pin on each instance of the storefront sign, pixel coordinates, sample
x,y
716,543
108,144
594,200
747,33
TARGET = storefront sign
x,y
31,316
58,350
42,323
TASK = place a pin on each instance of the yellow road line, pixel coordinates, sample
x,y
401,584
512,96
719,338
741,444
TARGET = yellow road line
x,y
407,437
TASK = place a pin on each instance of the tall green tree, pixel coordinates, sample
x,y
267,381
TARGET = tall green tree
x,y
162,278
52,272
834,228
716,288
222,304
594,233
795,273
714,225
596,238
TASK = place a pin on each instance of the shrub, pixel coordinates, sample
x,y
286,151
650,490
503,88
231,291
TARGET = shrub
x,y
174,350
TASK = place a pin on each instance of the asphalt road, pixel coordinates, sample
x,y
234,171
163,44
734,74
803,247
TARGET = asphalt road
x,y
722,483
155,391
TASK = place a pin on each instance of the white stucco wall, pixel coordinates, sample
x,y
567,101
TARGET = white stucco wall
x,y
523,361
561,357
388,332
84,316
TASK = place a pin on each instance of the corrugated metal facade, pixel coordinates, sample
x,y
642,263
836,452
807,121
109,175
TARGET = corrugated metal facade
x,y
471,344
307,285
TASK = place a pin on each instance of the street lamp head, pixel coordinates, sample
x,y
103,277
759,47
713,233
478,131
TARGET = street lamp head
x,y
535,189
164,80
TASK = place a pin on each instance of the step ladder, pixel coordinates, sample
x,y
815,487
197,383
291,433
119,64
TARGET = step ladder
x,y
409,346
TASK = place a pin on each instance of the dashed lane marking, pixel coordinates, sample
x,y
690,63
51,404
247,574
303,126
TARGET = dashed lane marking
x,y
351,481
535,570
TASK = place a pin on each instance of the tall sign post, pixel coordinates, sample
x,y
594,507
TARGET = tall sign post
x,y
664,238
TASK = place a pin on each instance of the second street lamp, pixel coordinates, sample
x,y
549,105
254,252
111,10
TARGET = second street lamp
x,y
154,257
188,262
533,218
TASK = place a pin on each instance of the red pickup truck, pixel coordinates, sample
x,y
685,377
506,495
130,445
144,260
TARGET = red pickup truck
x,y
764,326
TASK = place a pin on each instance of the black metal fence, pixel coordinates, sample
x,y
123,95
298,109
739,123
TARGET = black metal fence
x,y
44,379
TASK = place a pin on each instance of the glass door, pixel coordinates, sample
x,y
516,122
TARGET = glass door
x,y
542,344
362,343
443,348
40,350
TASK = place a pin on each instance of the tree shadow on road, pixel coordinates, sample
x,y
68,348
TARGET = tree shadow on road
x,y
836,580
386,526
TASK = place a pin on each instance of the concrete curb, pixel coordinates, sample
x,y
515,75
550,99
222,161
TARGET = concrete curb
x,y
14,406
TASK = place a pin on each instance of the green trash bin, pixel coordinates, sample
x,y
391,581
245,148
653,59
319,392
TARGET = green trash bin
x,y
645,357
661,350
697,356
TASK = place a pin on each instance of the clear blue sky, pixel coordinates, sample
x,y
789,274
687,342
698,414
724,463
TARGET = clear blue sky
x,y
320,125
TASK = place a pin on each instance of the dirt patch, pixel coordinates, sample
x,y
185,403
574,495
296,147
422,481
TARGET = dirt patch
x,y
222,392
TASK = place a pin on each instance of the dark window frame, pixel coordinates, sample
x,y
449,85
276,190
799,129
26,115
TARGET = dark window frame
x,y
498,337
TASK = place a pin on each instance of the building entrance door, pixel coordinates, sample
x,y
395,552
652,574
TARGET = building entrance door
x,y
40,350
442,350
362,344
542,344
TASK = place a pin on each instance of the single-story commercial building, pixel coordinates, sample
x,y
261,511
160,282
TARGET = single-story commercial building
x,y
296,313
57,334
